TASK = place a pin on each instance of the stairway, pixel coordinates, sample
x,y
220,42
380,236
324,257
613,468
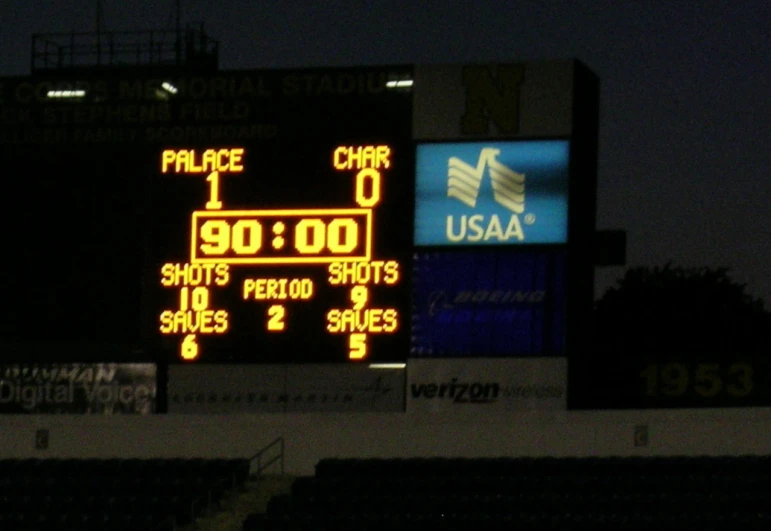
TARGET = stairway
x,y
234,508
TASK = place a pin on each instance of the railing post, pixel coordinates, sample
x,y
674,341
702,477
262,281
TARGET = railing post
x,y
257,458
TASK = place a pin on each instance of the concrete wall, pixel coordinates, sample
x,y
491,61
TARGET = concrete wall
x,y
310,437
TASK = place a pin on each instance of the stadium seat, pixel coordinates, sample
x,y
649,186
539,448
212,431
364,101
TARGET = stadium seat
x,y
116,494
599,493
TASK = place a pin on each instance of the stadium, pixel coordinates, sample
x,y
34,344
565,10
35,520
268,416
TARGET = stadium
x,y
332,298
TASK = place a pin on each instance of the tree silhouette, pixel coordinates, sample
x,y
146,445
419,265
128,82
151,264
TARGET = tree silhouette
x,y
683,311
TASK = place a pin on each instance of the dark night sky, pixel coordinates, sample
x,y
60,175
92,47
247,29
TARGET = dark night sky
x,y
685,127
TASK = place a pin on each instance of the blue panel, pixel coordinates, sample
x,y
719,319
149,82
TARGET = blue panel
x,y
483,193
488,304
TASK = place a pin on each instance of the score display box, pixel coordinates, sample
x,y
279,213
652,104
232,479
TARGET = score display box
x,y
298,236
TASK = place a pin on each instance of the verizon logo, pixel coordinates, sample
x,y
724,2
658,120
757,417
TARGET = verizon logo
x,y
458,392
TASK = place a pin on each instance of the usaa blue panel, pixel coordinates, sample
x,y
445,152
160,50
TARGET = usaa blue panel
x,y
491,193
488,304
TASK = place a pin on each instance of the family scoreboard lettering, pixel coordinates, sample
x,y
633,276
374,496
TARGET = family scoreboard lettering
x,y
343,215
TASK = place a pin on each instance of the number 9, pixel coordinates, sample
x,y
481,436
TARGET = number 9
x,y
674,376
359,296
216,236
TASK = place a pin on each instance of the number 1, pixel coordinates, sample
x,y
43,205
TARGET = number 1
x,y
214,202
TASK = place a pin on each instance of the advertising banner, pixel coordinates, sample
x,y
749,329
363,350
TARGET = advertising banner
x,y
78,388
491,193
479,387
284,388
488,304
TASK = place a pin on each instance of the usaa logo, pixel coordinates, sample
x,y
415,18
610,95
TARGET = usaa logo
x,y
464,182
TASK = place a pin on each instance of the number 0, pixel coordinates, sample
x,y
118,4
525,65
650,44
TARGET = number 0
x,y
310,236
363,197
247,236
342,235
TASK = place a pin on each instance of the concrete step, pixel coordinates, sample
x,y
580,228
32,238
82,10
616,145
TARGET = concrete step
x,y
233,509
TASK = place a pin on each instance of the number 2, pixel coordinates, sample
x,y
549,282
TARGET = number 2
x,y
707,380
276,315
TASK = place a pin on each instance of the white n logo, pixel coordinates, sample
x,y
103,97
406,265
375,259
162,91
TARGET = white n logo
x,y
464,181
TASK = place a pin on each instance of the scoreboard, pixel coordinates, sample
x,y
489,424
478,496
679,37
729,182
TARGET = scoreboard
x,y
271,256
342,216
345,215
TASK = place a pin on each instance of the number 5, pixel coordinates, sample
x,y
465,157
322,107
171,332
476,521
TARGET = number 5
x,y
357,343
707,379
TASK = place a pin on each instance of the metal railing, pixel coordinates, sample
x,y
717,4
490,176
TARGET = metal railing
x,y
261,461
189,47
258,463
167,523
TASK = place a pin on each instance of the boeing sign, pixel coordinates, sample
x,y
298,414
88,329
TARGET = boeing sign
x,y
488,303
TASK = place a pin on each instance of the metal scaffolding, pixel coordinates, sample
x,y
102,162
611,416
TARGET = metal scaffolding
x,y
188,47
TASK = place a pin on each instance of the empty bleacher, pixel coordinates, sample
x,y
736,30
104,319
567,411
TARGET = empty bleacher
x,y
115,494
600,493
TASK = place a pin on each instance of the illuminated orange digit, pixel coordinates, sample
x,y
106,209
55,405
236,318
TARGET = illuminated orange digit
x,y
247,236
357,346
183,298
216,236
214,202
200,299
189,348
342,235
359,296
364,199
310,236
276,315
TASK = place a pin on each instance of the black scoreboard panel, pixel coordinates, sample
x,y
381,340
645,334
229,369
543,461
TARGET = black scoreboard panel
x,y
72,284
291,249
283,253
103,233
